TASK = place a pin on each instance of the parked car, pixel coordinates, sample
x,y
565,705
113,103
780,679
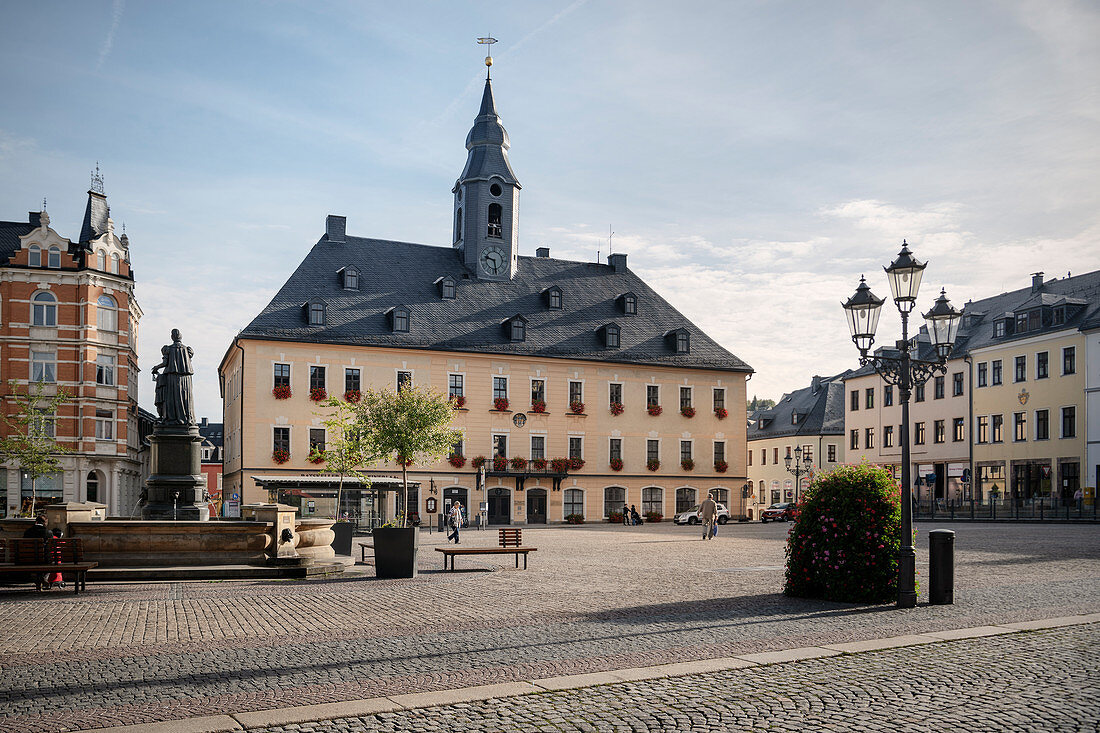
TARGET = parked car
x,y
691,516
783,512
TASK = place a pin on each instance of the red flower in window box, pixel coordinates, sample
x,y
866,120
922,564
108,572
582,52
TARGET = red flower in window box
x,y
457,460
316,455
538,406
458,401
280,455
616,464
282,392
576,464
403,461
654,410
687,464
353,396
577,407
560,465
653,464
317,394
478,462
539,464
721,466
721,413
688,411
617,408
519,463
500,463
500,404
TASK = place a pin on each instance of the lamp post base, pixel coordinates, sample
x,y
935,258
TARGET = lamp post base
x,y
907,577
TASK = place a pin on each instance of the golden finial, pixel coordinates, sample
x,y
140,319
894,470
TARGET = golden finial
x,y
487,41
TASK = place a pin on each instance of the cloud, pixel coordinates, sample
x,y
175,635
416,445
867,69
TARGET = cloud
x,y
109,41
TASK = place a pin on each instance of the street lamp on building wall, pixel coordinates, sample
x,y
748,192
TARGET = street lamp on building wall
x,y
799,467
905,371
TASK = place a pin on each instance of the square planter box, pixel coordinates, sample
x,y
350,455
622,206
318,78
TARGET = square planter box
x,y
341,543
395,551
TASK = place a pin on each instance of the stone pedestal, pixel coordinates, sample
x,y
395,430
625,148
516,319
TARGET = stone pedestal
x,y
59,515
281,517
176,484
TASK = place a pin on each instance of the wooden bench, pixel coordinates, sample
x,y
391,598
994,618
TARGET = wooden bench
x,y
510,541
35,557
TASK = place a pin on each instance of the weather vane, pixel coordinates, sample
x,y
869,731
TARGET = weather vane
x,y
487,41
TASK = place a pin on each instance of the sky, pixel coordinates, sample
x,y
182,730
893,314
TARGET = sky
x,y
753,158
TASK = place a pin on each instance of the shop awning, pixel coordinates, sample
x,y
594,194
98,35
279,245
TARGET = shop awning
x,y
287,483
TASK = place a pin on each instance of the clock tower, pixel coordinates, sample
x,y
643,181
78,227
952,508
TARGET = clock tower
x,y
486,197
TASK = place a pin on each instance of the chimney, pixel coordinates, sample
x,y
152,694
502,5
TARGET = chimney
x,y
542,252
336,228
1036,282
204,422
617,262
815,384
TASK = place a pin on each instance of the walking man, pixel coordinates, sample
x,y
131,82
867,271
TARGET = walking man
x,y
626,515
708,512
455,520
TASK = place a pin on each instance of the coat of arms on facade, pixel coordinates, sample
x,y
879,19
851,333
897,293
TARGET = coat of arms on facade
x,y
1023,396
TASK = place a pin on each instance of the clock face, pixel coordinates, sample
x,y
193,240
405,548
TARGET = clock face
x,y
494,260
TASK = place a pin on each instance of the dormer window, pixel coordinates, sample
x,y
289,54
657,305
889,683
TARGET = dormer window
x,y
400,319
1059,316
496,230
611,336
679,340
448,287
553,298
515,328
34,256
316,312
55,257
351,278
628,304
998,329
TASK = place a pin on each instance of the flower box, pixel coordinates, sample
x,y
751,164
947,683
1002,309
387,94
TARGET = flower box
x,y
519,463
500,463
654,410
500,404
353,396
576,407
538,406
282,393
456,460
721,466
688,411
576,464
478,462
316,456
574,519
458,401
721,413
687,464
615,517
616,464
280,455
539,464
617,408
317,394
654,516
559,465
653,464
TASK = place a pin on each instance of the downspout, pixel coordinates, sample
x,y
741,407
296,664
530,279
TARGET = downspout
x,y
970,426
240,425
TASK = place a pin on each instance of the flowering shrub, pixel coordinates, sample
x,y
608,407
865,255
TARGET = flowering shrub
x,y
687,411
617,408
653,464
458,401
500,463
576,464
721,413
615,517
574,518
282,392
560,465
519,463
317,394
576,407
844,543
316,455
616,464
403,461
457,460
654,410
500,403
478,462
687,464
538,406
721,466
654,516
280,456
353,396
539,464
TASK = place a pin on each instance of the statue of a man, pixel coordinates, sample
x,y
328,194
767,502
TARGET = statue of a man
x,y
174,399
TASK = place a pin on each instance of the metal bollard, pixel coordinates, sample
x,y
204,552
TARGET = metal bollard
x,y
941,567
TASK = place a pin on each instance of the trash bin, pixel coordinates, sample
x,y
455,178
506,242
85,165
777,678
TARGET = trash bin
x,y
941,567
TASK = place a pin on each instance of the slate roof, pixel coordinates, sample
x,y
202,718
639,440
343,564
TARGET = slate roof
x,y
820,408
10,232
400,273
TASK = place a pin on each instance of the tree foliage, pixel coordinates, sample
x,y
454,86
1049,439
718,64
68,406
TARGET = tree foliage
x,y
845,540
759,404
28,438
412,425
348,449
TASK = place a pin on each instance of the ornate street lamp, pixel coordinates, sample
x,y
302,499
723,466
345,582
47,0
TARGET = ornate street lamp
x,y
799,467
904,371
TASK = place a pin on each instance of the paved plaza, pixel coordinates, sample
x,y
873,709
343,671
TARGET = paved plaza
x,y
595,598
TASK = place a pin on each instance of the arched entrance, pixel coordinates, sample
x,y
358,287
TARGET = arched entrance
x,y
536,506
453,494
500,506
92,486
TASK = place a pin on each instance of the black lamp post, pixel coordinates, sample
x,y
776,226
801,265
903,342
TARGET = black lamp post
x,y
799,467
904,371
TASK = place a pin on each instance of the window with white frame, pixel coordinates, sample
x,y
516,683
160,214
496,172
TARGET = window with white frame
x,y
573,502
538,447
576,392
105,370
576,447
652,395
500,388
614,498
351,380
34,256
500,446
317,377
44,309
456,386
101,260
317,440
719,451
281,375
685,450
719,398
685,397
652,501
538,391
114,263
43,366
615,449
104,425
653,450
280,439
831,452
55,257
106,315
404,380
43,424
615,393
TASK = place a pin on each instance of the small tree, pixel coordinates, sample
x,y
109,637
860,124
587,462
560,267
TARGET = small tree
x,y
347,449
409,425
29,433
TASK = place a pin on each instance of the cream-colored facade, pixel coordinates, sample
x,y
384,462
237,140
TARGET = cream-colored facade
x,y
253,415
772,482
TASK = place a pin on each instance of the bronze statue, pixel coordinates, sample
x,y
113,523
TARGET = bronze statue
x,y
174,399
